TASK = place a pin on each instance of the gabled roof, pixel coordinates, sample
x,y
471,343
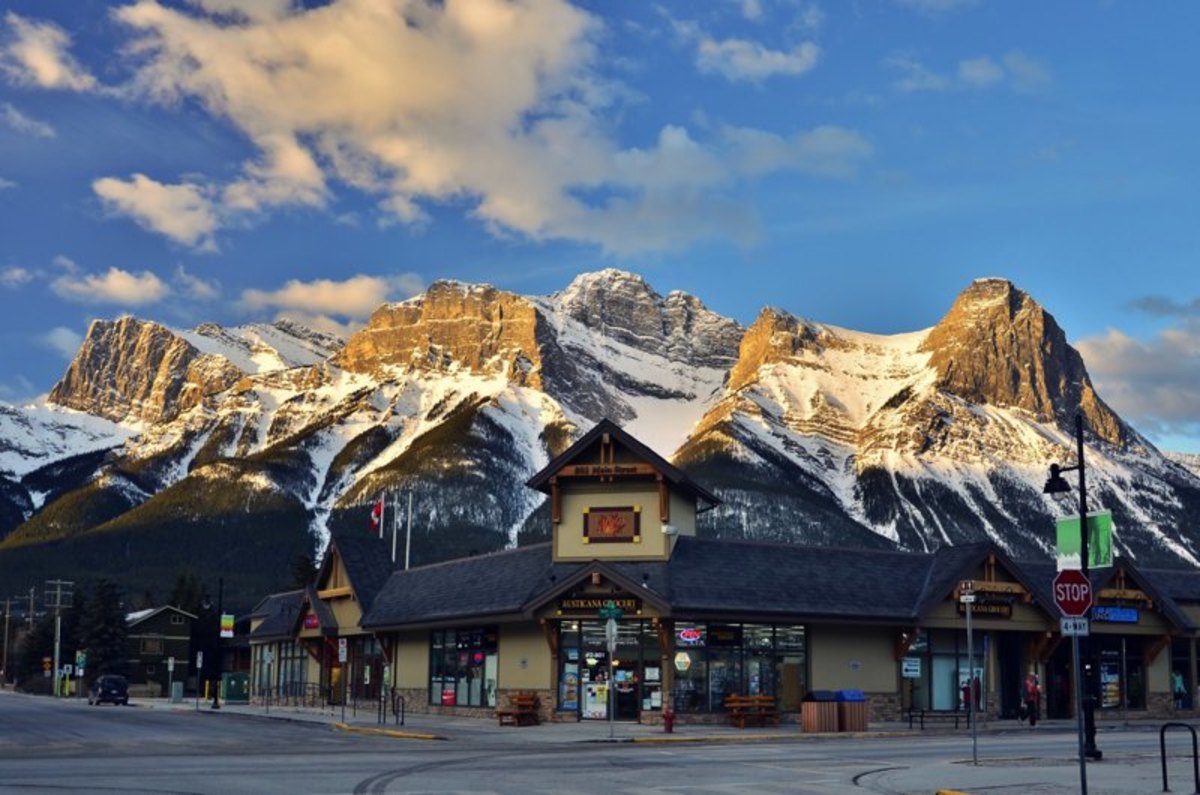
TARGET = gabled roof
x,y
368,563
647,580
138,616
950,565
675,476
325,618
279,613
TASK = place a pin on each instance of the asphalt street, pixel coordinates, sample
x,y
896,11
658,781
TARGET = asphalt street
x,y
66,747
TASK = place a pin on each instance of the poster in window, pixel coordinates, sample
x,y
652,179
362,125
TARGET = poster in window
x,y
612,525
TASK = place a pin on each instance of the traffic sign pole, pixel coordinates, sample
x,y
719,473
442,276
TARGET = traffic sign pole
x,y
1073,595
967,590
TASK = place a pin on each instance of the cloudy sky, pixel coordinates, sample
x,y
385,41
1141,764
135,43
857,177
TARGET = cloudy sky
x,y
856,162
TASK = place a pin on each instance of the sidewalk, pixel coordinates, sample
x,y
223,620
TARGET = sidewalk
x,y
1118,774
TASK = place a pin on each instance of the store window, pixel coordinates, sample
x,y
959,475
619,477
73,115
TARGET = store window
x,y
713,661
1182,675
462,667
936,668
292,659
1122,675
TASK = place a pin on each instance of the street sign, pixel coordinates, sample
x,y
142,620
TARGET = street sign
x,y
1072,593
611,611
67,669
199,660
967,599
342,650
1074,626
170,665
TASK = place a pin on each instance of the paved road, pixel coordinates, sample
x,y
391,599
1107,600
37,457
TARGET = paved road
x,y
57,747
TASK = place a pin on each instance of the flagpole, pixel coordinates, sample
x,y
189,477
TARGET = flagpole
x,y
382,513
395,519
408,531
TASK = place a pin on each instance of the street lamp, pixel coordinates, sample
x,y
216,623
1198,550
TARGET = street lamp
x,y
1057,484
216,701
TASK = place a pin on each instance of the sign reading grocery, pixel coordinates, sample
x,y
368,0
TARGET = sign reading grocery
x,y
594,604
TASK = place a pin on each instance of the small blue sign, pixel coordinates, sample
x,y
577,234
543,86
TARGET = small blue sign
x,y
1115,615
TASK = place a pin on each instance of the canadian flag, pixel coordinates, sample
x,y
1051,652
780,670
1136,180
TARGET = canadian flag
x,y
377,517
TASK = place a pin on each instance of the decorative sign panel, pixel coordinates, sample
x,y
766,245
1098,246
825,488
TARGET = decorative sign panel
x,y
612,525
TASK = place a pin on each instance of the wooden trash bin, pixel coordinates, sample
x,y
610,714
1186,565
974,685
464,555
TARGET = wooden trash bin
x,y
819,716
852,716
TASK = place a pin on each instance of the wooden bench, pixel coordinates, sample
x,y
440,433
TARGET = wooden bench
x,y
758,709
522,710
933,715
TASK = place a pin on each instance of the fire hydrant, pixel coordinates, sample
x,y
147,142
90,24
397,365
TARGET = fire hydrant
x,y
668,720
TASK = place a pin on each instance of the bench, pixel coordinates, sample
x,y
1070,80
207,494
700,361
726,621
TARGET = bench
x,y
522,710
933,715
758,709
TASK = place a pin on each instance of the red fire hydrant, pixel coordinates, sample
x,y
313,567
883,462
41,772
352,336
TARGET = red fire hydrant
x,y
668,720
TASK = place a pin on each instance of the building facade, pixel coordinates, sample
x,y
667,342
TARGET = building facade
x,y
699,619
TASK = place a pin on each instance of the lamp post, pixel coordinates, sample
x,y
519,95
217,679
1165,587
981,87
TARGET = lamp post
x,y
1056,484
216,699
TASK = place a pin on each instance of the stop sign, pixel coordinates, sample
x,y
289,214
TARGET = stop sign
x,y
1072,593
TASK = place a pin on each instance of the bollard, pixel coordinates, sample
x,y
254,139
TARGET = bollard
x,y
668,720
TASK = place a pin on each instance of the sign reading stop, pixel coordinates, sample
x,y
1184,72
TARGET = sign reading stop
x,y
1072,593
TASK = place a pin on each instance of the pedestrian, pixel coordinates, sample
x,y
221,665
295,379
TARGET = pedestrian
x,y
1032,694
1179,689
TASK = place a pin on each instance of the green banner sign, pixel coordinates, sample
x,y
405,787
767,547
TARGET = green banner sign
x,y
1100,541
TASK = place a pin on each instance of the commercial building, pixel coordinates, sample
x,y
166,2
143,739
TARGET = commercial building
x,y
701,619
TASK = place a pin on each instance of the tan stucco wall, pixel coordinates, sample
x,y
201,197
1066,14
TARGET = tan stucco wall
x,y
527,643
1025,618
1158,675
832,650
412,659
348,612
568,534
683,514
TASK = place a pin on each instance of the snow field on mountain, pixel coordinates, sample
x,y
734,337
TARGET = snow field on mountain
x,y
37,434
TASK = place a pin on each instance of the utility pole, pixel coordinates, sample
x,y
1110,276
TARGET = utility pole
x,y
55,596
29,617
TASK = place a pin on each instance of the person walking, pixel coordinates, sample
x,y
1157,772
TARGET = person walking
x,y
1032,694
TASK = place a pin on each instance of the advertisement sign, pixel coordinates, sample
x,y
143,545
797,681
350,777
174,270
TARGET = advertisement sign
x,y
311,621
1100,545
1115,615
342,650
910,668
227,625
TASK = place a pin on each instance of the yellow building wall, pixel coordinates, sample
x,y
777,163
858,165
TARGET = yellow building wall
x,y
568,534
525,660
348,613
858,658
1158,675
412,659
683,514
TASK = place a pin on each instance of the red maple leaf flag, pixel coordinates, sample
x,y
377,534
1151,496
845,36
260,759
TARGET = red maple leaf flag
x,y
377,517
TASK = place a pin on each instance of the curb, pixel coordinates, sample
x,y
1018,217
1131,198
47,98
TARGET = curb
x,y
345,727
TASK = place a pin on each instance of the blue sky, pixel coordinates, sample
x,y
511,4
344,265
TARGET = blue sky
x,y
857,163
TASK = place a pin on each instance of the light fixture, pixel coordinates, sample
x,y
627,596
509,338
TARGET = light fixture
x,y
1056,483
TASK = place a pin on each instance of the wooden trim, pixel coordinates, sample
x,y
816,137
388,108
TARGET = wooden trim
x,y
605,471
664,501
1154,648
1125,595
555,501
334,593
550,629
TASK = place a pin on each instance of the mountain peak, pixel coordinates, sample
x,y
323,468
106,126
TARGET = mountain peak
x,y
998,346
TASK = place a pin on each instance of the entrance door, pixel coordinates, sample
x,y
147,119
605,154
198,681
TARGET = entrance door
x,y
1058,686
1008,658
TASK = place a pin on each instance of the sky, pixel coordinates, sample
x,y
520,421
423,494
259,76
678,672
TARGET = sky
x,y
856,162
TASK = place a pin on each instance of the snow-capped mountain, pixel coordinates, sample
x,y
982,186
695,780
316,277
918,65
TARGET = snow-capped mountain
x,y
235,448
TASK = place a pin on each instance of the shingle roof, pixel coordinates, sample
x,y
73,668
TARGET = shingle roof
x,y
368,563
676,476
279,612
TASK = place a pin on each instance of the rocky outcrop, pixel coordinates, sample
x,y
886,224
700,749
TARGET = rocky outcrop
x,y
998,346
130,369
451,326
623,307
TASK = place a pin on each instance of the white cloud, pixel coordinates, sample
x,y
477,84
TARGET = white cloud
x,y
982,71
182,212
18,121
935,7
494,105
751,9
65,263
1015,70
35,53
740,59
1151,384
195,287
827,151
13,277
5,184
63,340
116,286
356,297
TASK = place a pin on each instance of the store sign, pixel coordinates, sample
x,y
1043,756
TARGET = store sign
x,y
594,604
989,606
311,621
683,661
690,636
1116,615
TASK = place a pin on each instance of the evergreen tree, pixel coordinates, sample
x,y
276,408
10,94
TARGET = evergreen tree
x,y
188,593
103,630
304,570
37,644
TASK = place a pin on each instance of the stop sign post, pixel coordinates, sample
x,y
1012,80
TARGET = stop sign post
x,y
1072,593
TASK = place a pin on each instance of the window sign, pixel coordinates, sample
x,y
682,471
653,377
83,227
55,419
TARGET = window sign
x,y
690,635
683,661
910,668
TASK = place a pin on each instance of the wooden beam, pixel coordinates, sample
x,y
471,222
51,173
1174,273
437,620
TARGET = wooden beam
x,y
555,501
664,502
1155,647
334,593
1125,595
550,628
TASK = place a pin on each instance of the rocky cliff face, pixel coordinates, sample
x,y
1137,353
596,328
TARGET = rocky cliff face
x,y
130,369
999,347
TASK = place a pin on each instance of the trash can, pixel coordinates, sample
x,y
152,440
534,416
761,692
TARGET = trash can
x,y
819,711
852,710
176,692
235,688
